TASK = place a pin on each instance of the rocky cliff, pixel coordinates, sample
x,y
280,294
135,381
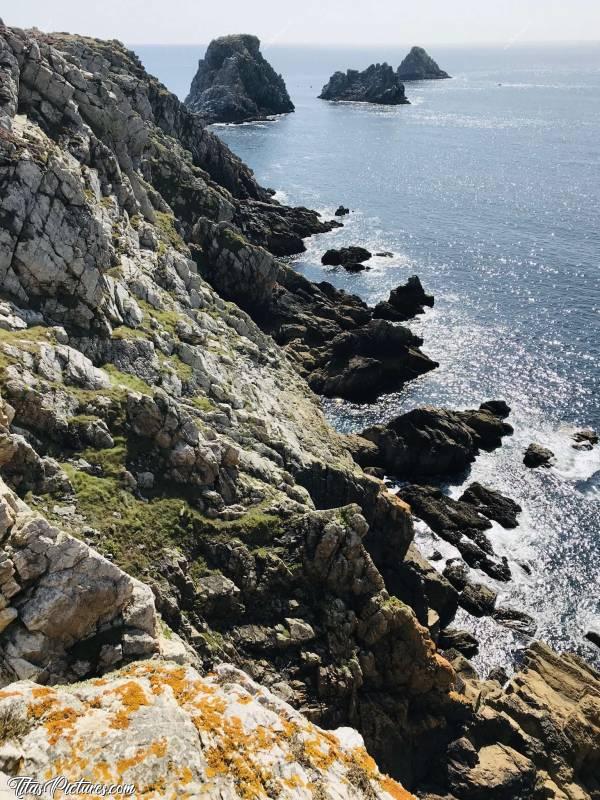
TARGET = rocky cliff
x,y
418,65
235,83
171,490
376,84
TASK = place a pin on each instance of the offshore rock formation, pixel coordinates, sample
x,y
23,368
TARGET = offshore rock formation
x,y
235,83
418,65
404,302
377,84
162,454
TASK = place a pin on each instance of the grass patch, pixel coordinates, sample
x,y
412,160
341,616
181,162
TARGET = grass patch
x,y
137,532
165,224
126,381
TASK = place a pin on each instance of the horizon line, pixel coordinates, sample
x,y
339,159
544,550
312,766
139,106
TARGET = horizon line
x,y
479,43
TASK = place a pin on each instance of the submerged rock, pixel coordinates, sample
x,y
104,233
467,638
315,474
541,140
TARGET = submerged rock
x,y
538,456
341,211
377,84
235,83
516,620
404,302
585,439
418,65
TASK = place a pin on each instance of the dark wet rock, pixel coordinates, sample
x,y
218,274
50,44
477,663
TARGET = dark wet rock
x,y
492,505
584,439
498,674
279,229
419,66
385,254
499,408
516,620
462,641
368,361
341,211
348,257
377,84
404,302
457,573
478,599
420,585
436,556
430,441
457,523
235,83
538,456
593,637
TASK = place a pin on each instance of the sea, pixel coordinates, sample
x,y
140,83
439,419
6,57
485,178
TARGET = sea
x,y
488,187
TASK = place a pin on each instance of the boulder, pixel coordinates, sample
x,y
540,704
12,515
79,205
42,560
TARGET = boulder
x,y
341,211
538,456
419,66
478,599
377,84
235,83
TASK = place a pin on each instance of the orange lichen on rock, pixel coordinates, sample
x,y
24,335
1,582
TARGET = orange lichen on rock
x,y
174,734
132,698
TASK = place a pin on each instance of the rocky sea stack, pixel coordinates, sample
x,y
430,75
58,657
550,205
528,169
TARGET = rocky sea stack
x,y
202,593
420,66
235,83
377,84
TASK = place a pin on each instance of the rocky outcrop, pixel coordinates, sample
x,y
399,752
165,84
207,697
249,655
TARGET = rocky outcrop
x,y
162,725
418,65
458,523
235,83
430,441
351,258
404,302
66,612
377,84
492,504
538,737
538,456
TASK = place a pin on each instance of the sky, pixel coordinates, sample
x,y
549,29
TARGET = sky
x,y
340,22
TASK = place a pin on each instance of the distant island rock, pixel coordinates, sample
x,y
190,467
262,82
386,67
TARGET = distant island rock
x,y
420,66
235,83
376,84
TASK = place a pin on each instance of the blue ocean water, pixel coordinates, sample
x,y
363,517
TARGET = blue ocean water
x,y
488,187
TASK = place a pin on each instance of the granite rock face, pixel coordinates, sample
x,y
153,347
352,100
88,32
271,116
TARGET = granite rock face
x,y
235,83
377,84
418,65
163,725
